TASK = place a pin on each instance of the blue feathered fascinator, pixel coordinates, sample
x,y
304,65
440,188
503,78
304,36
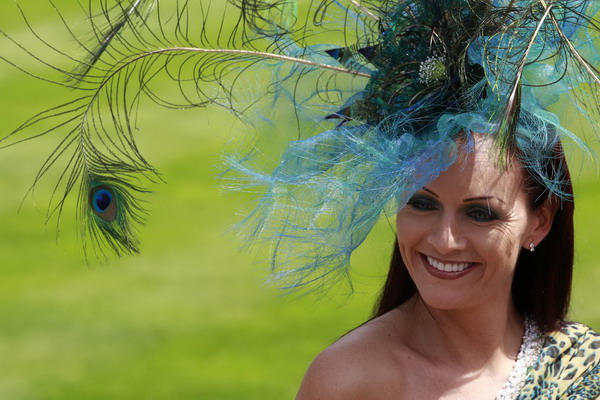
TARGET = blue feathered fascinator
x,y
378,91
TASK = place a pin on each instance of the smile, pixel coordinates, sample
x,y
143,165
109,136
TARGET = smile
x,y
448,267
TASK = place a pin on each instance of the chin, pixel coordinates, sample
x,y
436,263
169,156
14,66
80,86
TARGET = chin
x,y
444,300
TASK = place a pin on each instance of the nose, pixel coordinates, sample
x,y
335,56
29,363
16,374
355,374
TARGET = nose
x,y
446,235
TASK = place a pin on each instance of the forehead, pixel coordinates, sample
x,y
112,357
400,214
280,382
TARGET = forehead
x,y
476,172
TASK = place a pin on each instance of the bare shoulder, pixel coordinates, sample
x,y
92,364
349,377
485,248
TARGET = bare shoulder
x,y
366,363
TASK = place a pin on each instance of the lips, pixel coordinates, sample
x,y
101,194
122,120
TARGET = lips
x,y
448,266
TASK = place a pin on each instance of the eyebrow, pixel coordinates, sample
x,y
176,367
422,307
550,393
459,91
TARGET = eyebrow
x,y
479,198
430,192
486,198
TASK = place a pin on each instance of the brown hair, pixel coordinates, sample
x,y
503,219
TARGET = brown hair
x,y
541,286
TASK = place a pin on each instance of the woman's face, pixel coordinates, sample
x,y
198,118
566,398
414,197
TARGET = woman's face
x,y
460,235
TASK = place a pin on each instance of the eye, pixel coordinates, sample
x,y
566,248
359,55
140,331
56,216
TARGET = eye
x,y
481,214
102,202
422,204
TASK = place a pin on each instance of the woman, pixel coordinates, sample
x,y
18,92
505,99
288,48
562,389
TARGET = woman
x,y
383,97
475,300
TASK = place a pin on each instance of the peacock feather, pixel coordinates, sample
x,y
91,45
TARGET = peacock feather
x,y
378,90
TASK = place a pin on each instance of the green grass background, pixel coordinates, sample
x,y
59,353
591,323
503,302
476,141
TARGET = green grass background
x,y
190,318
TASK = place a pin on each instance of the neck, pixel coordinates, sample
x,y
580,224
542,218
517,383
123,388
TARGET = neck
x,y
472,338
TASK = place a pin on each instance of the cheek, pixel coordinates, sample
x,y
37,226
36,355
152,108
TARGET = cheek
x,y
410,230
408,224
511,233
502,244
503,236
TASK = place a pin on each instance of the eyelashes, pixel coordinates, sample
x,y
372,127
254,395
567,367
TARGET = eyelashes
x,y
481,214
422,203
477,212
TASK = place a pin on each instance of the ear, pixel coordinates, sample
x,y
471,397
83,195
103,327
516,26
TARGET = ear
x,y
541,222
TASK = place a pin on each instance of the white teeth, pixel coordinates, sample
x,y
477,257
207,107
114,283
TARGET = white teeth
x,y
447,267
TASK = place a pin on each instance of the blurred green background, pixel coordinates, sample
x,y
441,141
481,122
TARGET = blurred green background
x,y
190,318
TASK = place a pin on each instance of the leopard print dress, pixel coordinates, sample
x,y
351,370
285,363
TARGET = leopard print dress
x,y
568,366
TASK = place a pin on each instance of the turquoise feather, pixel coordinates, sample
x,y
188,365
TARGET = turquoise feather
x,y
372,94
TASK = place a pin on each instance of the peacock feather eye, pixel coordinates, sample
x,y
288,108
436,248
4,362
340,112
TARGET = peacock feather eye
x,y
102,201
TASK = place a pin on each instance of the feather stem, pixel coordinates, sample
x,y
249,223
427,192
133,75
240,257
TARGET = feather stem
x,y
364,9
512,110
252,53
590,69
530,46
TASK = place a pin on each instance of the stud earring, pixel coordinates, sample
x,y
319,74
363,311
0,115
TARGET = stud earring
x,y
531,247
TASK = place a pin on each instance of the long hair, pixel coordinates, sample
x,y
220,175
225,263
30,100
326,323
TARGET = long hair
x,y
541,287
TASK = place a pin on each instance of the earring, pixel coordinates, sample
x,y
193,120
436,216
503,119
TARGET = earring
x,y
531,247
